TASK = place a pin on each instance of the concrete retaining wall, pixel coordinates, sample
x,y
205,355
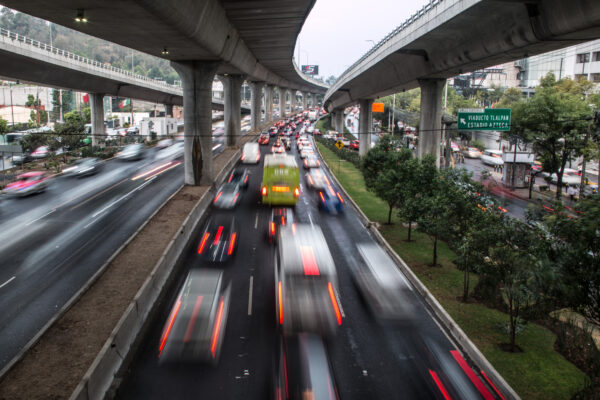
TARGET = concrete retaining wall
x,y
452,329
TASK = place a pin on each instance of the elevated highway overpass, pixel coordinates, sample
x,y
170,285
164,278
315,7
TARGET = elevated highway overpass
x,y
449,37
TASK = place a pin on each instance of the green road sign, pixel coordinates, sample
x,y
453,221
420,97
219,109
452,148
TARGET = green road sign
x,y
488,119
339,144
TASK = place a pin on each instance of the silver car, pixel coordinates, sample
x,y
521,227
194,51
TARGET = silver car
x,y
84,167
131,152
228,195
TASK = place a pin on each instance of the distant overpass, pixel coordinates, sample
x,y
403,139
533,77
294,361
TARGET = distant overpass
x,y
449,37
29,60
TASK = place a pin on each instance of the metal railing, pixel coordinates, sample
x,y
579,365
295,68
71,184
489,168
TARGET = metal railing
x,y
427,7
84,60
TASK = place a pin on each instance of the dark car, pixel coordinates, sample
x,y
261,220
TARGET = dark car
x,y
330,200
239,176
84,167
280,216
195,328
219,239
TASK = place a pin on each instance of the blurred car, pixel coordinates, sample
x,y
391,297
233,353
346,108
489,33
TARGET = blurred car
x,y
311,162
251,153
330,200
163,143
263,139
40,152
22,158
306,152
303,370
131,152
278,149
133,130
472,152
228,195
28,183
317,132
171,152
305,282
310,129
240,177
383,287
280,216
287,143
84,167
492,157
316,178
571,177
354,145
195,328
218,241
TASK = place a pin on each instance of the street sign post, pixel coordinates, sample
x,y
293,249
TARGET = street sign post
x,y
339,144
488,119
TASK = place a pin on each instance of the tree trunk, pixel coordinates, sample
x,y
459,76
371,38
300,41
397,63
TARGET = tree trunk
x,y
466,283
435,240
511,314
390,215
409,228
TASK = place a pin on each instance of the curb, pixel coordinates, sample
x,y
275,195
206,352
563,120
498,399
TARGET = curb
x,y
100,375
452,328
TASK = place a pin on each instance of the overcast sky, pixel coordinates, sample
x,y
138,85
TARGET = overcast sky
x,y
337,33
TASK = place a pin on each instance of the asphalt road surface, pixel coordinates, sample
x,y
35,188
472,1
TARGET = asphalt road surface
x,y
369,360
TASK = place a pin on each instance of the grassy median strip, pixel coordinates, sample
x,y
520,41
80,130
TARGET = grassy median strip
x,y
538,372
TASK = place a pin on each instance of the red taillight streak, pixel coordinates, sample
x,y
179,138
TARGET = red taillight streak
x,y
203,242
282,220
310,180
169,326
340,197
218,235
231,244
236,197
297,192
492,385
264,191
217,329
309,263
231,177
246,179
336,308
280,300
322,198
440,385
217,198
190,328
471,375
272,228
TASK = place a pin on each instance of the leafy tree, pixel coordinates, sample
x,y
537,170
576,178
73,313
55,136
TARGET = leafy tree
x,y
510,97
3,126
65,102
87,115
32,102
71,133
554,122
33,117
380,170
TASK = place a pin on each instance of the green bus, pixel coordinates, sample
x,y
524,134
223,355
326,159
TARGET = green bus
x,y
281,180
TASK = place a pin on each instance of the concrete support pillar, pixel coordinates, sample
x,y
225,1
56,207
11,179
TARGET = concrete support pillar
x,y
430,125
232,89
269,103
365,125
255,104
97,110
283,93
169,110
337,119
304,100
197,78
293,101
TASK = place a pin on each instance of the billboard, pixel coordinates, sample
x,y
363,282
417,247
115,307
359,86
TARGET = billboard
x,y
310,69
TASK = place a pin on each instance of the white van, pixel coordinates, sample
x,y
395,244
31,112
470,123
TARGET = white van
x,y
251,153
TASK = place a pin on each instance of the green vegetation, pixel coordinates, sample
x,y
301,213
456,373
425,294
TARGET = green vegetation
x,y
538,372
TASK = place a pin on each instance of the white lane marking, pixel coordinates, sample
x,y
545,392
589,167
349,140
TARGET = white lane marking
x,y
337,297
310,219
43,216
250,295
256,221
7,282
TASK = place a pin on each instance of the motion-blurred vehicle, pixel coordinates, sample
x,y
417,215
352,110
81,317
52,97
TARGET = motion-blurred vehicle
x,y
287,143
303,370
195,328
133,130
239,176
163,143
354,145
317,132
251,153
40,152
571,177
316,178
383,287
218,241
311,162
278,149
263,139
28,183
171,152
131,152
305,282
22,158
492,157
306,152
472,152
280,216
330,200
281,180
84,167
228,195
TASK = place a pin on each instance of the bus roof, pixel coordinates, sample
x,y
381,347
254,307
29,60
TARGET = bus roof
x,y
272,160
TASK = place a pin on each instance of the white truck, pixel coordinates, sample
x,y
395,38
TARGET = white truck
x,y
312,115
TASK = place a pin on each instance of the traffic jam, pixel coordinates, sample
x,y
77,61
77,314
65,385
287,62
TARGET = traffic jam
x,y
307,309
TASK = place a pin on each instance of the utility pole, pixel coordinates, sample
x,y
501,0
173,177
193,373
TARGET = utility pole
x,y
393,113
585,142
514,166
12,112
